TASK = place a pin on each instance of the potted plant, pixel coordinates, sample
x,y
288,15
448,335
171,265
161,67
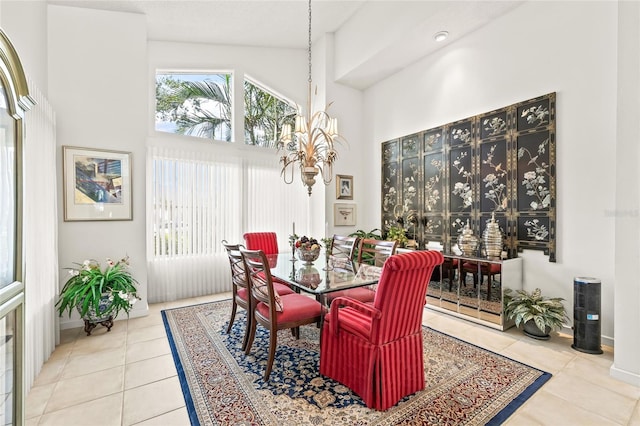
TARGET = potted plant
x,y
398,234
98,294
538,314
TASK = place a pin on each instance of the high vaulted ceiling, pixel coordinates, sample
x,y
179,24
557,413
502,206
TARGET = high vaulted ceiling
x,y
402,30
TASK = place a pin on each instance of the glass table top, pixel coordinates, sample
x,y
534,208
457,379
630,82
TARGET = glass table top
x,y
315,277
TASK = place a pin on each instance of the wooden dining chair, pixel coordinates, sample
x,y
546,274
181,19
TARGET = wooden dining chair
x,y
486,270
343,247
375,252
370,252
240,288
272,310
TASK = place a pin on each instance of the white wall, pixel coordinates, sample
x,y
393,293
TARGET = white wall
x,y
98,88
526,53
346,106
627,292
25,22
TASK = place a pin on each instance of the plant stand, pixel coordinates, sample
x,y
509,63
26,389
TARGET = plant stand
x,y
89,325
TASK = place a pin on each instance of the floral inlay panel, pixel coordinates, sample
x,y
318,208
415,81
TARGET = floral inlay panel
x,y
493,125
534,174
493,169
500,162
461,180
433,179
390,176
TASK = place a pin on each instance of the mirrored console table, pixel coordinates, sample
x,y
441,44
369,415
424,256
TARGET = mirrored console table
x,y
473,288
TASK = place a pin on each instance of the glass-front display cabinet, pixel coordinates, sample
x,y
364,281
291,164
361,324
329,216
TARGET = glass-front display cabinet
x,y
473,288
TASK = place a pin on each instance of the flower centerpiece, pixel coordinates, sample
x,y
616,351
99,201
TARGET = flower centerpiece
x,y
98,294
307,249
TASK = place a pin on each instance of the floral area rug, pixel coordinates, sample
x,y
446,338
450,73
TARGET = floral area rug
x,y
465,385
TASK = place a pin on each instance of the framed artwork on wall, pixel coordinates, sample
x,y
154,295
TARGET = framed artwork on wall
x,y
96,184
344,187
344,214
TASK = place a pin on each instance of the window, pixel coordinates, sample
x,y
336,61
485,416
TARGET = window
x,y
200,105
194,104
264,114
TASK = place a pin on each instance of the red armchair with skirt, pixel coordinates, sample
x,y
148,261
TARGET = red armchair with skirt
x,y
376,349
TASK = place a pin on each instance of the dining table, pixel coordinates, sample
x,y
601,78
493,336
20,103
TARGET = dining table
x,y
320,277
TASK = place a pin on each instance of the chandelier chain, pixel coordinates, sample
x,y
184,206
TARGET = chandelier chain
x,y
309,46
310,144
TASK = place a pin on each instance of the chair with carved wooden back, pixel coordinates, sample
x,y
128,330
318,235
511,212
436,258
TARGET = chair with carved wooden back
x,y
343,247
272,310
375,252
372,254
239,287
376,349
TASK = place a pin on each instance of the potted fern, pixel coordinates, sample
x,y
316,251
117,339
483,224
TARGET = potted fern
x,y
99,295
539,315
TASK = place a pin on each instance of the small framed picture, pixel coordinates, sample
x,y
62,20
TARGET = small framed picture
x,y
344,187
96,184
344,214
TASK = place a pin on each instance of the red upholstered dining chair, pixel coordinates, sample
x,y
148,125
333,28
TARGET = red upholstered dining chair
x,y
265,241
376,349
272,310
240,288
486,270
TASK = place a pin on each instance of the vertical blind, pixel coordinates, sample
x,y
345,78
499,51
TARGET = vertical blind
x,y
195,200
40,235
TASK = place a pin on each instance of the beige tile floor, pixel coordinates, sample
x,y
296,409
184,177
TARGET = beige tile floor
x,y
127,377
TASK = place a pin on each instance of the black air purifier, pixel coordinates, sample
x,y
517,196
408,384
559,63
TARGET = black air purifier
x,y
586,315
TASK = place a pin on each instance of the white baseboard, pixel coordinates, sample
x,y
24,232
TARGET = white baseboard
x,y
624,376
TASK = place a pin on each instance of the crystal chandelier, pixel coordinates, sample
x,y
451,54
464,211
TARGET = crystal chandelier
x,y
311,146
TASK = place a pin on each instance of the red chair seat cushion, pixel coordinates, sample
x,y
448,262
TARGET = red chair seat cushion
x,y
243,293
493,268
294,307
362,294
282,288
